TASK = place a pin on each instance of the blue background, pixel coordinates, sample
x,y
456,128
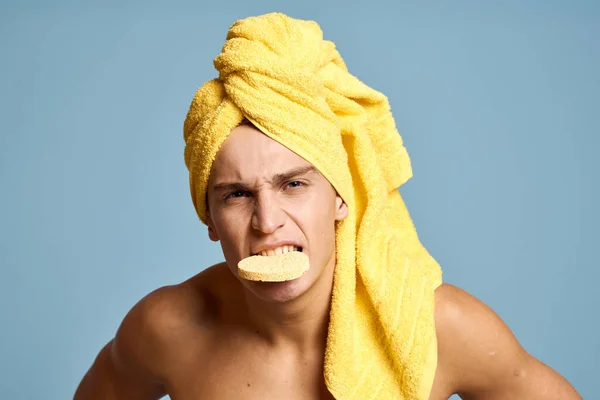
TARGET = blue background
x,y
498,104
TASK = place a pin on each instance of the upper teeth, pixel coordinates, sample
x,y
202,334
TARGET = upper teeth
x,y
278,250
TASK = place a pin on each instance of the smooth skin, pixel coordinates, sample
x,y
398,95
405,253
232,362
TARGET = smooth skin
x,y
217,336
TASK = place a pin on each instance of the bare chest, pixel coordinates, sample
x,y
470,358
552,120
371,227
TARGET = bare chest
x,y
235,367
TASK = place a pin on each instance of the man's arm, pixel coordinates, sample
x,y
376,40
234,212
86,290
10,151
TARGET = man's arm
x,y
483,357
106,380
127,367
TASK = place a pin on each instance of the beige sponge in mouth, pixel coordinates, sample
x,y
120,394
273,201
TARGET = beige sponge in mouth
x,y
278,268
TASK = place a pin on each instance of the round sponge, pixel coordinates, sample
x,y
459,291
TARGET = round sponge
x,y
278,268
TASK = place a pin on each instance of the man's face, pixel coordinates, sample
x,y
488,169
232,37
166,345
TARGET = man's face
x,y
260,193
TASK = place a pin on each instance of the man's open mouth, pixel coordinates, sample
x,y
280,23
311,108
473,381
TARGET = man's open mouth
x,y
278,251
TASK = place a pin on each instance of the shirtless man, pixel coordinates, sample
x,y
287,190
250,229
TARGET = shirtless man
x,y
217,336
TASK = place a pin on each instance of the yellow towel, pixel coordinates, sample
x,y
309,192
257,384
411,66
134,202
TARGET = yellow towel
x,y
294,86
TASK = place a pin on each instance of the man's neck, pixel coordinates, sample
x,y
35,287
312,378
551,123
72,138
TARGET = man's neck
x,y
298,324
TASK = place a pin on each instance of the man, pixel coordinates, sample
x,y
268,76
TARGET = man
x,y
218,336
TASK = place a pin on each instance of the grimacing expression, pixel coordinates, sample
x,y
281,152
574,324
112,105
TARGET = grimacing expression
x,y
260,192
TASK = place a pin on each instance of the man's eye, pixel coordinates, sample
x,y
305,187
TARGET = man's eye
x,y
234,195
295,184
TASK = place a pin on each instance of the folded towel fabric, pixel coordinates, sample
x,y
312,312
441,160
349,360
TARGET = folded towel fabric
x,y
280,74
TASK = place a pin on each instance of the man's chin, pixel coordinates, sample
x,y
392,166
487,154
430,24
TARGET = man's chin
x,y
277,292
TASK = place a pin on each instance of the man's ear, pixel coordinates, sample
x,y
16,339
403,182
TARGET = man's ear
x,y
341,209
212,233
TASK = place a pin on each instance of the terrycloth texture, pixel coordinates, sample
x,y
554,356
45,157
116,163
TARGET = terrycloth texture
x,y
280,74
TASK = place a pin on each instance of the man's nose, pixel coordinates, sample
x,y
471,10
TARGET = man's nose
x,y
268,215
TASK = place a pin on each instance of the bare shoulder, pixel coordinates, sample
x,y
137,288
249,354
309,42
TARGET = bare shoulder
x,y
154,336
482,357
470,335
157,328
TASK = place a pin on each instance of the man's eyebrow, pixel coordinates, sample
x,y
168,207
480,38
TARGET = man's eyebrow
x,y
275,179
293,173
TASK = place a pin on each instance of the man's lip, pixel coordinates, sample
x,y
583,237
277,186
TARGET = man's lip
x,y
274,245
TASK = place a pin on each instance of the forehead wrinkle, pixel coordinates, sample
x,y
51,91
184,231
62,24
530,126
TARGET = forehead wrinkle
x,y
278,177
